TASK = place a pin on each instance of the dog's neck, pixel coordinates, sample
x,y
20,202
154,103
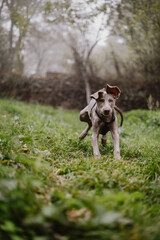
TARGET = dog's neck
x,y
103,119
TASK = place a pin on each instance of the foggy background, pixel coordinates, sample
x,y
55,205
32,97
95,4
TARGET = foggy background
x,y
74,47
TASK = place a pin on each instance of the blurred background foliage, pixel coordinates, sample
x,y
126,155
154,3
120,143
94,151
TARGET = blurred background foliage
x,y
94,41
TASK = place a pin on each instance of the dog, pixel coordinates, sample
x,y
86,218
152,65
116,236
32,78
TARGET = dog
x,y
100,113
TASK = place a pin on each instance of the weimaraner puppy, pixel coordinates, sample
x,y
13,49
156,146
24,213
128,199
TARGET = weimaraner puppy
x,y
100,113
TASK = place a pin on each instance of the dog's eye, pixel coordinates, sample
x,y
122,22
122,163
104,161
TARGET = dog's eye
x,y
110,100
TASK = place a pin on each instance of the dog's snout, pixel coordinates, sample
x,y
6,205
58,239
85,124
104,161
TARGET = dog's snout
x,y
106,111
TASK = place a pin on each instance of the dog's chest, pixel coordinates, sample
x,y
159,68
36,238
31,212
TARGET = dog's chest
x,y
104,128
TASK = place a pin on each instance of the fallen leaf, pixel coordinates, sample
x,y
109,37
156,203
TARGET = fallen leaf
x,y
79,215
25,148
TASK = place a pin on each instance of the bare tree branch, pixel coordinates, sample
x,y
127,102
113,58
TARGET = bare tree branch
x,y
1,7
91,49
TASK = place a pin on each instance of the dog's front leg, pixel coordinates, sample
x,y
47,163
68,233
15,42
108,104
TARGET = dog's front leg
x,y
95,136
115,137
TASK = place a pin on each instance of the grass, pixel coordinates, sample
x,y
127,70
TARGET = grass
x,y
51,187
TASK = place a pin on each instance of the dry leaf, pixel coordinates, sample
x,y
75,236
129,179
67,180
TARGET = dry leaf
x,y
79,215
25,148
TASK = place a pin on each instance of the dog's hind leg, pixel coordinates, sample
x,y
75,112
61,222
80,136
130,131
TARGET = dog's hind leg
x,y
84,117
104,140
84,133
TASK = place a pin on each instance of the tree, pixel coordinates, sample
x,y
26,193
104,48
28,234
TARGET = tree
x,y
75,20
81,54
138,22
38,46
4,57
20,13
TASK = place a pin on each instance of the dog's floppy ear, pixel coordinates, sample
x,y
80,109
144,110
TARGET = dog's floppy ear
x,y
113,90
99,94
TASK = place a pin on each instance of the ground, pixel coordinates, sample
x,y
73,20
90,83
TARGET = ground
x,y
51,187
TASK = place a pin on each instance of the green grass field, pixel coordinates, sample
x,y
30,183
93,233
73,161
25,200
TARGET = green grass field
x,y
51,187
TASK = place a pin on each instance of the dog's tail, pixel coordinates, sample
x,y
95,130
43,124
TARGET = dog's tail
x,y
121,114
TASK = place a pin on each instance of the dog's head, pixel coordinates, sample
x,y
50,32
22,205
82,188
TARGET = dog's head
x,y
106,99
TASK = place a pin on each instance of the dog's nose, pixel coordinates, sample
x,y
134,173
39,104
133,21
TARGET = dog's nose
x,y
106,112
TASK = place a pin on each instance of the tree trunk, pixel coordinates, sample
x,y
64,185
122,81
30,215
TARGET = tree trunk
x,y
1,7
83,72
11,49
116,64
86,82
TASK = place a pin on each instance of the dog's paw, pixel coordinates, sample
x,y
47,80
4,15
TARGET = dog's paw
x,y
97,155
117,155
81,137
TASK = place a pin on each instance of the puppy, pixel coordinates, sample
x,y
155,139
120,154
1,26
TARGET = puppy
x,y
100,113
